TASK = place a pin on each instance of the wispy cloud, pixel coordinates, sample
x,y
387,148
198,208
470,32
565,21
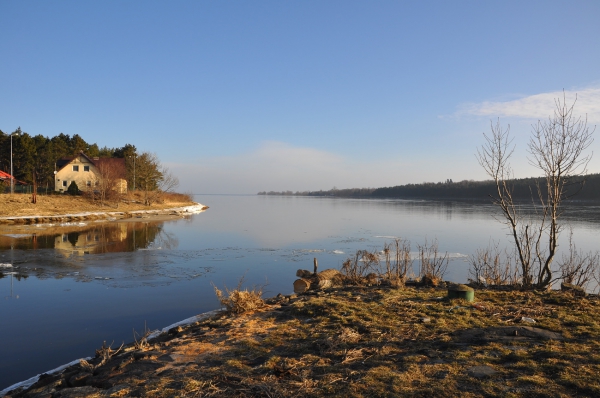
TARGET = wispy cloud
x,y
539,106
280,166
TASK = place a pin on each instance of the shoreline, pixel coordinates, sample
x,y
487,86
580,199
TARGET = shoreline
x,y
123,216
103,215
25,384
352,341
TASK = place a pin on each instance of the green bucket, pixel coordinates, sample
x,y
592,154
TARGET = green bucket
x,y
461,292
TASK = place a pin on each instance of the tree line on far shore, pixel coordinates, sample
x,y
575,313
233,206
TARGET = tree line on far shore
x,y
524,188
35,157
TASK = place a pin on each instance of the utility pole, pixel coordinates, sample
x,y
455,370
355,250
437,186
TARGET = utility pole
x,y
133,156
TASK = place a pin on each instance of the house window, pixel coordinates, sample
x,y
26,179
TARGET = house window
x,y
88,183
86,168
64,183
75,168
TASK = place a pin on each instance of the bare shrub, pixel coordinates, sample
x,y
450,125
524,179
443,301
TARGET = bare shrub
x,y
142,343
433,264
357,270
578,268
105,353
493,267
397,270
238,301
177,197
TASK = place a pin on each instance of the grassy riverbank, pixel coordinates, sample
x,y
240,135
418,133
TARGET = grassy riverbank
x,y
19,205
361,342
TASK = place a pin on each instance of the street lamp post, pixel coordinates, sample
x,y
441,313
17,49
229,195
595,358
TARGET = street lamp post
x,y
12,178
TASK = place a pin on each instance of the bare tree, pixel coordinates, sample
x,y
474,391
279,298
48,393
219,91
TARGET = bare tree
x,y
110,183
153,178
556,148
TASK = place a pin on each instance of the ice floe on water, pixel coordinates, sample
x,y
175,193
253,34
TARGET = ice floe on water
x,y
5,265
417,255
338,252
457,255
386,237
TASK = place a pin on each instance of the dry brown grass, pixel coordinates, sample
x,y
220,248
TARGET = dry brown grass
x,y
374,342
51,205
238,300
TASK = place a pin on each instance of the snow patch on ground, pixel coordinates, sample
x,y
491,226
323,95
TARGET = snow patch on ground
x,y
194,209
187,321
29,382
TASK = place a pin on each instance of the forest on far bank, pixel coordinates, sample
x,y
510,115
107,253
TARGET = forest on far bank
x,y
524,188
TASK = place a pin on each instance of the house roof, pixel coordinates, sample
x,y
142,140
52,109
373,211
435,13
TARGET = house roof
x,y
61,163
7,177
117,163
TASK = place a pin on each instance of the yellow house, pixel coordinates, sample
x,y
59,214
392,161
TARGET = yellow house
x,y
89,172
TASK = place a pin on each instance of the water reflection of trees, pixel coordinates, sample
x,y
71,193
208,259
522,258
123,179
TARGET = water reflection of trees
x,y
95,239
59,252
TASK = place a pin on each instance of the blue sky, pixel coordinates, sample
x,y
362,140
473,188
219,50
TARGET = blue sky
x,y
246,96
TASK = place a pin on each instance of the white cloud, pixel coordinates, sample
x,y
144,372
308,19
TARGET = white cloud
x,y
539,106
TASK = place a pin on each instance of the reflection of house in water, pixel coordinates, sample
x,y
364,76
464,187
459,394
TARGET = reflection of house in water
x,y
96,240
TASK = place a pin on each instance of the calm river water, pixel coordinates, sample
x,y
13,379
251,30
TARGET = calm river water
x,y
67,289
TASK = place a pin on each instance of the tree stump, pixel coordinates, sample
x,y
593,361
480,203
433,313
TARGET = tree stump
x,y
323,280
301,285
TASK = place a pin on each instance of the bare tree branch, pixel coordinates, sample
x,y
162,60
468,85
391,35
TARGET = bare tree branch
x,y
556,148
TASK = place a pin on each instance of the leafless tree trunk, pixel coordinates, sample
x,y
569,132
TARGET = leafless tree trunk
x,y
106,186
154,179
556,148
